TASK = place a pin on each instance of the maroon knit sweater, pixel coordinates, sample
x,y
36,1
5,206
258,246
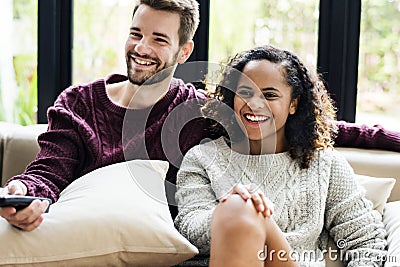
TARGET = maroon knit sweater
x,y
87,131
364,136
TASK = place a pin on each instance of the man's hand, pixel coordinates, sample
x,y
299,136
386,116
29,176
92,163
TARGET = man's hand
x,y
28,218
14,188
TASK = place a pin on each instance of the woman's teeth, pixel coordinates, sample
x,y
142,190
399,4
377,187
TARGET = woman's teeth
x,y
255,118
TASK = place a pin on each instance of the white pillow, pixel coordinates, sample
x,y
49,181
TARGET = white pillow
x,y
391,219
114,216
377,190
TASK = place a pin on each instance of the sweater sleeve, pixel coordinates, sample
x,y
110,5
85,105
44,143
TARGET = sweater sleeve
x,y
59,158
355,227
364,136
196,202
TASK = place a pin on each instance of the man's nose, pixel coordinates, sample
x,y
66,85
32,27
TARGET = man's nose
x,y
143,47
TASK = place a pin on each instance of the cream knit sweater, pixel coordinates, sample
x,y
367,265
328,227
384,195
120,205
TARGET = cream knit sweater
x,y
309,204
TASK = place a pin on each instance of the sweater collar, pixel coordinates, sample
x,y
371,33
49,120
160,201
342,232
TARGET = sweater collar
x,y
160,106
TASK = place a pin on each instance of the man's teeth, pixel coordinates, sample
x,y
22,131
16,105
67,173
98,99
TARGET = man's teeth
x,y
256,118
143,62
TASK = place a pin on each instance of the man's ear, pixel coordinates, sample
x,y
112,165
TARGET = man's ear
x,y
185,52
293,106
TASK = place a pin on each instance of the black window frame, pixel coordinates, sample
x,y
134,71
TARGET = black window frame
x,y
338,52
337,59
55,40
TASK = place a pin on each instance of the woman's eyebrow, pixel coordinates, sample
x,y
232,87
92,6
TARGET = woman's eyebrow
x,y
245,87
255,88
269,89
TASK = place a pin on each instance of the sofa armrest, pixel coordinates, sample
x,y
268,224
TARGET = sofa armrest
x,y
20,147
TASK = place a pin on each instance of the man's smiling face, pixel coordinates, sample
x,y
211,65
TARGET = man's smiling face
x,y
153,43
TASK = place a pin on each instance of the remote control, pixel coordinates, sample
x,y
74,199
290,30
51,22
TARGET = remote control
x,y
20,202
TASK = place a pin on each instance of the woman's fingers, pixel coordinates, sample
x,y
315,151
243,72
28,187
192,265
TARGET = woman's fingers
x,y
242,191
260,201
268,205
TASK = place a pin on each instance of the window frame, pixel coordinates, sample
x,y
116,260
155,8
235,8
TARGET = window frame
x,y
338,52
55,30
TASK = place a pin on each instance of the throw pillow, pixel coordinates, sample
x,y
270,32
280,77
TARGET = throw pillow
x,y
377,190
114,216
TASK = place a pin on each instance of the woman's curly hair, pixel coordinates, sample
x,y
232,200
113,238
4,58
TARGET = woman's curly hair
x,y
310,128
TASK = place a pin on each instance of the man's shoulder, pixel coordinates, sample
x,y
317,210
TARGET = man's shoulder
x,y
83,93
99,83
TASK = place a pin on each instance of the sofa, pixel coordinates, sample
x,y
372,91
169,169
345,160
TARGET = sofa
x,y
378,171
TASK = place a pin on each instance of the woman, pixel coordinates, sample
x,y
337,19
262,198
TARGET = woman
x,y
272,188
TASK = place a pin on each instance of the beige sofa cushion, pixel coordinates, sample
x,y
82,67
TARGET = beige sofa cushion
x,y
114,216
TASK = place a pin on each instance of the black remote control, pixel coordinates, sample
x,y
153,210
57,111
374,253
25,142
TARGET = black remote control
x,y
20,202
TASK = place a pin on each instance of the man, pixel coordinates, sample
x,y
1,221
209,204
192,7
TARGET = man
x,y
119,118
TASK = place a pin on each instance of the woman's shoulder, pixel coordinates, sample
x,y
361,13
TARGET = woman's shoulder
x,y
332,157
207,148
334,163
330,153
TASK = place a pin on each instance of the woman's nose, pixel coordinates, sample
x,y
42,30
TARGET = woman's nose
x,y
257,103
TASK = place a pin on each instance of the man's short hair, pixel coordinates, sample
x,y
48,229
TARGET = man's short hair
x,y
188,11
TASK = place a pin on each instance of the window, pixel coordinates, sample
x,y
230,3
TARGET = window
x,y
100,31
378,98
237,25
18,61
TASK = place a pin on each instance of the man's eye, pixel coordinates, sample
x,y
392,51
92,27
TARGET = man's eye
x,y
160,40
136,35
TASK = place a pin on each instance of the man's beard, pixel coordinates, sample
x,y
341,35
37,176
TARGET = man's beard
x,y
139,77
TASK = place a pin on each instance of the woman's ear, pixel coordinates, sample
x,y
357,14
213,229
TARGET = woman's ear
x,y
293,106
185,52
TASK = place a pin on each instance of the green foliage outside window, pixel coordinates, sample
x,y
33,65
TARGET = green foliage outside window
x,y
25,106
23,43
379,64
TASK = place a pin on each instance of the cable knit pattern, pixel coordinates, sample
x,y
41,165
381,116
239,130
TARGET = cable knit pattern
x,y
309,203
85,133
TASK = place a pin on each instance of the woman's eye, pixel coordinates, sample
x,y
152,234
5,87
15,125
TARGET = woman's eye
x,y
270,95
244,93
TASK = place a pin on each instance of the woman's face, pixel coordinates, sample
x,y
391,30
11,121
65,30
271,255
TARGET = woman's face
x,y
263,101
